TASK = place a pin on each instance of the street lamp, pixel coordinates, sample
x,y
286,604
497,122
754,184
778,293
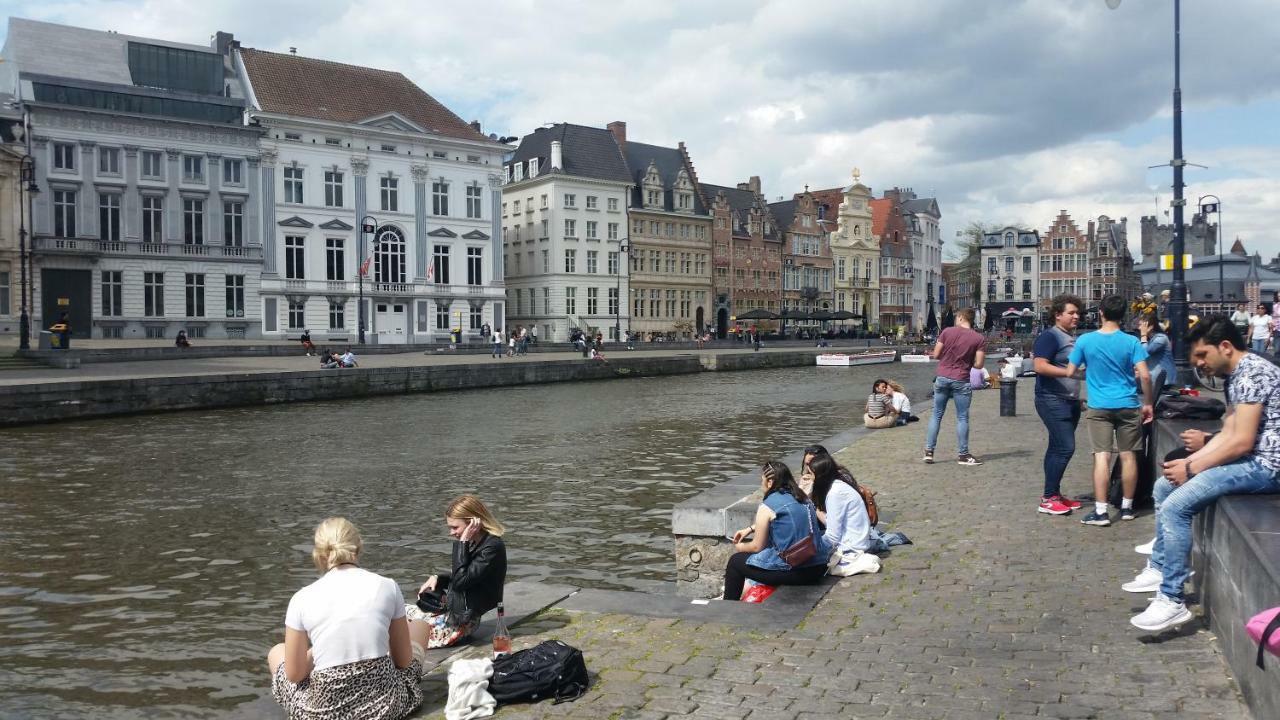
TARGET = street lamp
x,y
1215,207
27,183
624,251
368,226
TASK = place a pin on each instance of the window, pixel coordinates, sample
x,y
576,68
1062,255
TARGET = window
x,y
613,231
475,317
515,207
388,148
337,315
1026,289
533,164
571,301
64,213
195,295
109,217
153,294
152,219
991,266
473,202
593,301
193,168
333,188
652,197
109,161
570,261
593,203
439,154
440,260
546,230
638,306
293,136
64,157
475,266
332,141
192,221
613,262
613,301
297,315
546,261
613,204
593,261
1026,264
233,223
232,171
440,197
442,316
335,263
544,202
591,230
570,200
152,165
293,184
235,295
112,293
389,265
571,229
1008,266
295,257
390,193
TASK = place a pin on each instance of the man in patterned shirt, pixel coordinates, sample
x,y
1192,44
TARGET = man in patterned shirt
x,y
1242,459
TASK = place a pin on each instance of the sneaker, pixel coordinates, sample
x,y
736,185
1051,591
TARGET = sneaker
x,y
1073,504
1097,518
967,459
1053,506
1163,613
928,456
1146,581
1145,548
1127,514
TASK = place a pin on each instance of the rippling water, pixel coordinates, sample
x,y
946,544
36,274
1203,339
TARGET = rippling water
x,y
148,560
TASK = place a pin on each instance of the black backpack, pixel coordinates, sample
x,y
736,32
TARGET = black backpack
x,y
550,669
1190,407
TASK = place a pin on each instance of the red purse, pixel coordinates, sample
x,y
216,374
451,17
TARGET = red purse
x,y
799,553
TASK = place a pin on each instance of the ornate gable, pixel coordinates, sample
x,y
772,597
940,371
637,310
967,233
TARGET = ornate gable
x,y
475,235
296,222
443,232
392,121
336,224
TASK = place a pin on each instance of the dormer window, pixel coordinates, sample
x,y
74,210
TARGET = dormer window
x,y
293,136
519,172
684,201
653,197
506,174
388,148
1008,239
533,167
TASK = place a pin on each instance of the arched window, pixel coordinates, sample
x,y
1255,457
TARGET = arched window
x,y
1008,286
388,255
1008,239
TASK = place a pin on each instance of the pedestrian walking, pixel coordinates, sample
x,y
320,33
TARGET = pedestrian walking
x,y
496,339
1057,399
1260,328
959,349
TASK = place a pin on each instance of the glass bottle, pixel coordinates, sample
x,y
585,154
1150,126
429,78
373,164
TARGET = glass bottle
x,y
501,636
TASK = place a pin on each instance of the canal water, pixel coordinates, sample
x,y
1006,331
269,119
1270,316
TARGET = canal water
x,y
147,561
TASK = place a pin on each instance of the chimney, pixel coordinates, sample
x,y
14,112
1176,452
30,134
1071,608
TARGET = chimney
x,y
224,41
754,184
619,130
475,125
557,156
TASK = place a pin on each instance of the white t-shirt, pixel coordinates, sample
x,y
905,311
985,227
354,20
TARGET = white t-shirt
x,y
348,358
1261,327
901,404
848,525
347,615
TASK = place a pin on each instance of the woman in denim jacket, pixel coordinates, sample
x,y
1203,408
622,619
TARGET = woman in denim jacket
x,y
785,518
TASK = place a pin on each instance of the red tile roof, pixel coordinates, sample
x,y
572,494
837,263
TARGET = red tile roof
x,y
324,90
880,214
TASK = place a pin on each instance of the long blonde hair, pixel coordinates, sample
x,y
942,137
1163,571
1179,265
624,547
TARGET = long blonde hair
x,y
337,542
466,507
895,386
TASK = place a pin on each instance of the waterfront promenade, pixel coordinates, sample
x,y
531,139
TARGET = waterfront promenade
x,y
997,611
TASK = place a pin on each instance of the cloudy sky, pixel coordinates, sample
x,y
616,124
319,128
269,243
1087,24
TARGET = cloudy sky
x,y
1007,111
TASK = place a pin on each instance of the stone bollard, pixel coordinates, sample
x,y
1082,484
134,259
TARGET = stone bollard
x,y
1008,397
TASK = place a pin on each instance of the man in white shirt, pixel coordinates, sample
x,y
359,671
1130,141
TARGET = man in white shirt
x,y
496,339
348,359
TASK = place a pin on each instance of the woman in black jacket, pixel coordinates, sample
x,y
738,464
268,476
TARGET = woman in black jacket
x,y
472,589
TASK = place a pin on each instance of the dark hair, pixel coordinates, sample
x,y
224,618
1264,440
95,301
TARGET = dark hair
x,y
874,385
781,480
814,450
1151,319
825,472
1112,307
1215,330
1060,303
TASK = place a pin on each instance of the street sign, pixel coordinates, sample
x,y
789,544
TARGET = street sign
x,y
1166,262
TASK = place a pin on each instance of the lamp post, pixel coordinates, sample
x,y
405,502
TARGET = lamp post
x,y
624,255
1215,207
27,184
368,226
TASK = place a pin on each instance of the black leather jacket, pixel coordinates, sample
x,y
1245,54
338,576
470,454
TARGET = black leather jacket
x,y
475,586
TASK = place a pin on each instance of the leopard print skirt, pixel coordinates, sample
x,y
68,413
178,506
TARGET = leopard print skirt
x,y
374,689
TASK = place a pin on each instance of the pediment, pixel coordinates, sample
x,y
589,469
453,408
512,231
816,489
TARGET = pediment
x,y
336,224
296,222
392,121
475,235
443,232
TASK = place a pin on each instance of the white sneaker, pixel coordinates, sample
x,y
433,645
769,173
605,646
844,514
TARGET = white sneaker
x,y
1162,614
1146,581
1145,548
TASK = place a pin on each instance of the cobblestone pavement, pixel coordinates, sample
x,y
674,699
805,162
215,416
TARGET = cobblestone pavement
x,y
997,612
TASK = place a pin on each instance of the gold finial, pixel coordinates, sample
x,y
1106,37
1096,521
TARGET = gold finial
x,y
857,174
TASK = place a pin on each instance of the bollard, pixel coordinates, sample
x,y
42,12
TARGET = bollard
x,y
1008,397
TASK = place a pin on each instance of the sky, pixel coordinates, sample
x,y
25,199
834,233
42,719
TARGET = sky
x,y
1006,111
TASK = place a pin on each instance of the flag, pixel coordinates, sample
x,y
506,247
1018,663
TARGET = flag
x,y
1209,208
364,266
431,272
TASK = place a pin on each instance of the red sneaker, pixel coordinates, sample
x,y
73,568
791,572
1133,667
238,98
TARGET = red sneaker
x,y
1054,506
1073,504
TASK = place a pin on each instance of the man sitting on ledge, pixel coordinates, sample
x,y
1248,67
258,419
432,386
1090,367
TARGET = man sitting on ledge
x,y
1243,459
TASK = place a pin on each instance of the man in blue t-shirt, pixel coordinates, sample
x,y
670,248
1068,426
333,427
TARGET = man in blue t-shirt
x,y
1112,358
1058,400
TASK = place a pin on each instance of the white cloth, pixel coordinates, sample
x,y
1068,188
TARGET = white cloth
x,y
469,690
347,615
497,337
1014,365
848,525
1260,327
901,404
855,562
348,358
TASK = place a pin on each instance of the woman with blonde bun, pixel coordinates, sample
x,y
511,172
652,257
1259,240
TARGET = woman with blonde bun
x,y
360,662
450,606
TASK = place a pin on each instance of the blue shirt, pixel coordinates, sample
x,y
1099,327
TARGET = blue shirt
x,y
1109,359
792,522
1055,346
1160,357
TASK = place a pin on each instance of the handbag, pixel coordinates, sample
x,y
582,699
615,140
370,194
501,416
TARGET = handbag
x,y
799,553
1262,628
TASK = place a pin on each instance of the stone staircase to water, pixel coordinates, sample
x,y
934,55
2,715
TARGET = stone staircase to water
x,y
13,362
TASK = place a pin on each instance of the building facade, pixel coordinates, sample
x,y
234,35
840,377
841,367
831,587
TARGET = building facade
x,y
147,219
1111,265
1065,260
13,220
371,187
1199,237
1010,271
806,257
746,254
896,283
564,217
855,251
923,221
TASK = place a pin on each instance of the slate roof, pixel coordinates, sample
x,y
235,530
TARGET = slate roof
x,y
784,212
741,201
324,90
669,162
919,206
63,51
586,152
1022,238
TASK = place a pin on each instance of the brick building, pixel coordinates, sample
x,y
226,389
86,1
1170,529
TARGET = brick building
x,y
1064,260
746,255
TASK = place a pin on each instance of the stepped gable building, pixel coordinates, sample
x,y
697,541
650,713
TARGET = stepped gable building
x,y
747,254
896,270
146,220
1010,272
923,221
564,212
670,240
806,257
1199,237
1111,264
855,250
1064,260
367,177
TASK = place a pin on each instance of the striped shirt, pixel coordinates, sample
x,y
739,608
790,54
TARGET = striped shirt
x,y
876,403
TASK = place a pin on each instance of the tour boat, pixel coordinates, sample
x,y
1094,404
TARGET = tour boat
x,y
916,358
871,357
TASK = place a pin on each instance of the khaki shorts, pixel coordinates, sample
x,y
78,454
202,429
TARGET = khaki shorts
x,y
1123,426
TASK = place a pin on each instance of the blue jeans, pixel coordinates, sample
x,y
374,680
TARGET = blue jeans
x,y
1260,345
1060,416
946,389
1178,505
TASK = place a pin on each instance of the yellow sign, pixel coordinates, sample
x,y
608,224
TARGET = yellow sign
x,y
64,302
1166,262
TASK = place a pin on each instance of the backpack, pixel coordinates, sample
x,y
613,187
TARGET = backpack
x,y
869,499
1189,407
550,669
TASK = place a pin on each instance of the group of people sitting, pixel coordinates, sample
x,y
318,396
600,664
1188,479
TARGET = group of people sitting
x,y
887,406
330,359
352,646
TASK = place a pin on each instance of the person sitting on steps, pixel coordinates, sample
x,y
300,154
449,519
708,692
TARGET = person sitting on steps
x,y
841,510
880,411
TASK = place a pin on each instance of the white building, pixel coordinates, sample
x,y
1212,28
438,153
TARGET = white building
x,y
923,221
1010,270
564,219
345,145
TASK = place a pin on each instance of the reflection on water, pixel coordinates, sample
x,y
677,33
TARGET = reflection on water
x,y
148,560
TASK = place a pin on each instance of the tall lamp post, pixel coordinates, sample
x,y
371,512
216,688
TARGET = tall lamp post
x,y
27,184
624,255
368,226
1215,207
